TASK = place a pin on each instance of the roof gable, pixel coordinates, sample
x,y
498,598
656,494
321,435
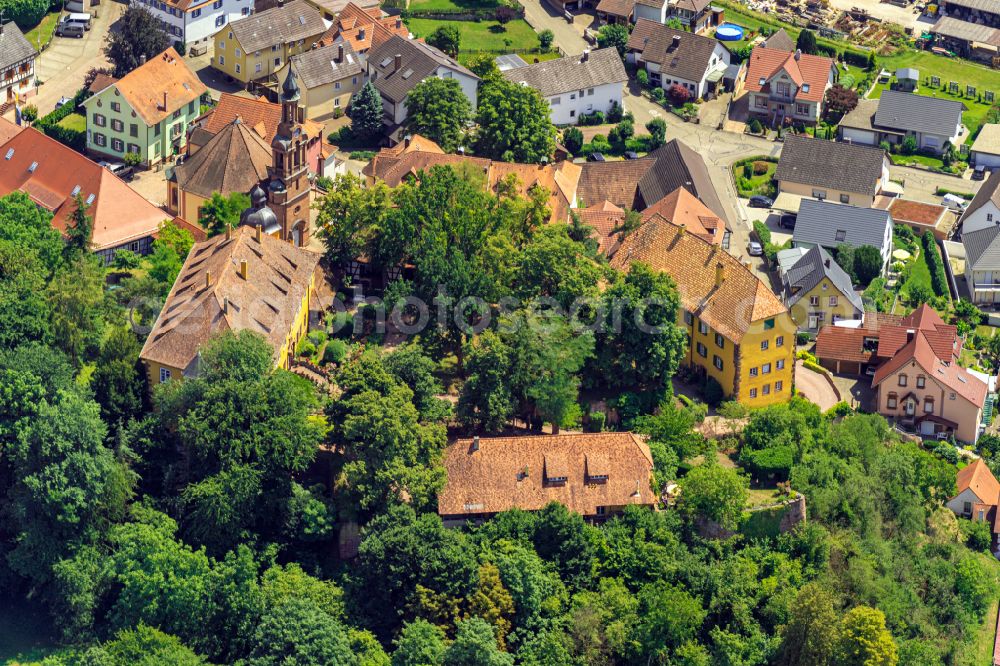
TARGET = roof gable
x,y
234,160
829,224
837,166
809,73
682,54
278,25
157,88
977,477
918,113
571,73
14,46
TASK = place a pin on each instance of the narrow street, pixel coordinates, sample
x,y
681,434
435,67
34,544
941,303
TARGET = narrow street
x,y
569,38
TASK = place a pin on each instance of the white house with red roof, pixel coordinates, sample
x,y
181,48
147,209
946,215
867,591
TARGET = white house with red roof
x,y
977,496
783,84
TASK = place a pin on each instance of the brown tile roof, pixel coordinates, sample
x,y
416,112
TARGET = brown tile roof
x,y
621,8
327,64
163,78
101,81
616,182
119,213
943,338
571,73
363,28
978,477
603,217
682,208
689,60
257,113
802,68
916,212
840,166
278,25
840,343
234,160
278,276
919,351
419,60
560,179
780,41
515,472
693,263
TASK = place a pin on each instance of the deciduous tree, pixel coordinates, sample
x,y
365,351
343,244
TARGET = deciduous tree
x,y
137,37
220,212
439,110
514,123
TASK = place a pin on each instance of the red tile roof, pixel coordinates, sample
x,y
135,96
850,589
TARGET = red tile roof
x,y
684,209
256,113
603,217
978,477
766,63
8,130
363,28
919,351
500,473
119,213
943,338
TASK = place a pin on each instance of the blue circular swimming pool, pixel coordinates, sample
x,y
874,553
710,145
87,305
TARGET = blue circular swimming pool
x,y
728,32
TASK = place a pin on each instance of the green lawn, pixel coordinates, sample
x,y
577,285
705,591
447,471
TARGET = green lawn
x,y
756,184
41,34
482,36
920,273
451,5
924,160
74,121
978,648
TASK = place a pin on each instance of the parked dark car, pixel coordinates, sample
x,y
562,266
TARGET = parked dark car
x,y
596,157
67,29
979,173
760,201
631,155
787,221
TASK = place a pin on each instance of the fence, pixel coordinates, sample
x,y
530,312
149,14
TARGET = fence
x,y
486,14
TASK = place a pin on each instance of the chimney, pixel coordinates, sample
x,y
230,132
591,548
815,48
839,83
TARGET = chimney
x,y
164,100
798,54
475,443
683,228
406,140
229,232
909,334
586,55
260,234
225,304
208,279
142,59
361,34
720,274
826,262
399,23
340,53
397,62
675,42
243,268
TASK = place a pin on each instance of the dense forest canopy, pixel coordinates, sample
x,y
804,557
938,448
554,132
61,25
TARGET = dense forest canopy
x,y
199,524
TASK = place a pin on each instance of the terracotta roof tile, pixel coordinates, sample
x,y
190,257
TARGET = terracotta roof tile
x,y
622,8
363,28
682,208
603,217
693,263
813,70
8,130
502,473
980,479
119,213
263,116
919,351
278,277
165,77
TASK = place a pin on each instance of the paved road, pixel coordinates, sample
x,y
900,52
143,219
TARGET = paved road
x,y
62,66
815,387
540,16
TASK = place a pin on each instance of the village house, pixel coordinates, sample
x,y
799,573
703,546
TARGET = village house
x,y
621,12
816,289
931,121
985,151
362,29
53,175
329,77
397,65
919,216
982,264
983,211
147,112
193,22
17,66
675,57
788,85
577,85
828,225
697,16
977,497
241,280
593,474
331,9
826,170
740,333
255,48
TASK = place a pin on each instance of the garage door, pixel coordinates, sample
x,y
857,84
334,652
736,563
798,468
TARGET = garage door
x,y
859,136
986,159
927,428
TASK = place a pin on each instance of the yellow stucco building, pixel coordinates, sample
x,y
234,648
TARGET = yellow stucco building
x,y
817,290
241,280
740,333
258,46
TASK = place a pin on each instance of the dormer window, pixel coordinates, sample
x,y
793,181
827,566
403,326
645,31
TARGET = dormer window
x,y
556,468
597,467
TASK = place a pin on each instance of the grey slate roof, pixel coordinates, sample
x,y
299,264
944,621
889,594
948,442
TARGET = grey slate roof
x,y
13,46
982,248
571,73
419,60
780,41
811,269
677,165
820,223
861,116
837,166
689,60
319,67
279,25
916,113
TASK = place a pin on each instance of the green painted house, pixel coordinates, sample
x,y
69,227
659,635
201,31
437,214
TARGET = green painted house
x,y
147,111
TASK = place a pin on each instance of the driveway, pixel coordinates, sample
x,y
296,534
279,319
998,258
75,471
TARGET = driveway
x,y
815,387
540,16
920,185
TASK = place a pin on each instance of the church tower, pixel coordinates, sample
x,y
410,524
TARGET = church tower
x,y
289,192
